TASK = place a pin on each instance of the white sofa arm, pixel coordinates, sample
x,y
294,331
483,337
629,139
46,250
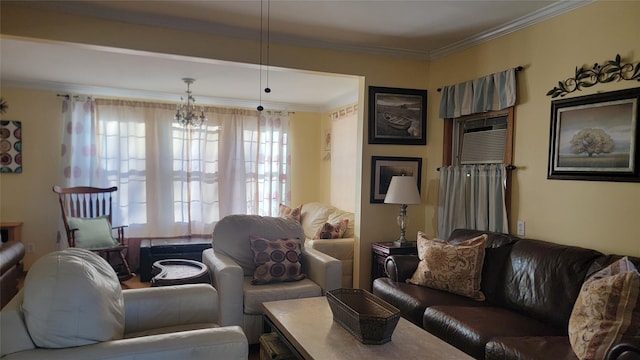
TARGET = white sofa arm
x,y
341,249
323,269
225,343
227,277
158,307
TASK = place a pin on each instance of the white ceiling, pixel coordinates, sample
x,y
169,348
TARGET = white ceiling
x,y
418,29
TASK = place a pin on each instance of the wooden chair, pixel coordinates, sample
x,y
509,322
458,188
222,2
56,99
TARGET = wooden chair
x,y
88,209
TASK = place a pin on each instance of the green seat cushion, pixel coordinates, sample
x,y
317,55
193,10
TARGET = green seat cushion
x,y
92,233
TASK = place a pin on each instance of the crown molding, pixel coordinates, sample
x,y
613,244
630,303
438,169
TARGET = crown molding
x,y
185,24
543,14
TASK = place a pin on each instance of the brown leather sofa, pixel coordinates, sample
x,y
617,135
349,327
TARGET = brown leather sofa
x,y
530,288
11,255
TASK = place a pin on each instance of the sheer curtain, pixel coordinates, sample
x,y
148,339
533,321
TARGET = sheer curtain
x,y
175,181
472,197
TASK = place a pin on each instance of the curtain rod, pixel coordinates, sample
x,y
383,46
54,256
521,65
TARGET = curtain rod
x,y
69,96
509,167
518,68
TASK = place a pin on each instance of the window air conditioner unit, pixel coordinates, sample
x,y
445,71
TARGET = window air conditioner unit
x,y
483,141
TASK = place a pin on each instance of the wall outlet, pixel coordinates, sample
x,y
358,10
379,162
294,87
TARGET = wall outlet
x,y
520,228
31,248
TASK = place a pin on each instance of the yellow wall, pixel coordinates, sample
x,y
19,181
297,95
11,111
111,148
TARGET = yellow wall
x,y
306,147
28,196
600,215
592,214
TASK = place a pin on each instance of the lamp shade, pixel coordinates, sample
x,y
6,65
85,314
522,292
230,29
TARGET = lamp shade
x,y
403,190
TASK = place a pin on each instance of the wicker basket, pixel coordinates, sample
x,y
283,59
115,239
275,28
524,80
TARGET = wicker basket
x,y
367,317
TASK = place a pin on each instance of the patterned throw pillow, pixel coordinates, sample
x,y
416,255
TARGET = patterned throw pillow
x,y
453,268
332,231
604,312
290,213
276,260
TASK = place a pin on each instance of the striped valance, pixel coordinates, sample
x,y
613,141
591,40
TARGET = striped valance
x,y
493,92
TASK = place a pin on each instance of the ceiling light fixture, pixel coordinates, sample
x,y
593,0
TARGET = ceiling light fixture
x,y
266,89
187,113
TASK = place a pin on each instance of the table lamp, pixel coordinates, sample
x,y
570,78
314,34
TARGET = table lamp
x,y
402,190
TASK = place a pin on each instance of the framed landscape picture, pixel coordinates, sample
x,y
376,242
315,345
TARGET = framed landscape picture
x,y
397,116
383,168
595,137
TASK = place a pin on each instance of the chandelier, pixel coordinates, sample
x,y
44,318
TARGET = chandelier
x,y
187,113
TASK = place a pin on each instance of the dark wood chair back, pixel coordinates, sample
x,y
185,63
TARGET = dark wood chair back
x,y
92,202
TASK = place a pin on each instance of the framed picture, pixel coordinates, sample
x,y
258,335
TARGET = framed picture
x,y
595,137
385,167
397,116
10,146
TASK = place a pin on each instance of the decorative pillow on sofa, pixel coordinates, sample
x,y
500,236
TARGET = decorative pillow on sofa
x,y
72,297
92,233
453,268
605,310
290,213
332,231
276,260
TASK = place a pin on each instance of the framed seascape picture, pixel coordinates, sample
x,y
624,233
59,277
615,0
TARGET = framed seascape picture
x,y
595,137
397,116
385,167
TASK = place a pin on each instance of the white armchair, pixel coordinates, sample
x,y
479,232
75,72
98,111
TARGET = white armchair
x,y
177,322
231,264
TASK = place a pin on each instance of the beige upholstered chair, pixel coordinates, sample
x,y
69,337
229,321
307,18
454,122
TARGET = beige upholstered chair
x,y
63,313
231,265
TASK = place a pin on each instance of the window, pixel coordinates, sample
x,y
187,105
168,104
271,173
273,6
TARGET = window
x,y
479,139
175,181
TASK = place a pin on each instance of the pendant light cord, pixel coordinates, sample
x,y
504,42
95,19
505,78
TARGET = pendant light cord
x,y
268,41
260,108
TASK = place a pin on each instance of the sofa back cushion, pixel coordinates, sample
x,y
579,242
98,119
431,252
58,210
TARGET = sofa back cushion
x,y
72,298
231,236
543,279
497,248
315,215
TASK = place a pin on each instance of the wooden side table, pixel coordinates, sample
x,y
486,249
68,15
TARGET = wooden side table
x,y
380,251
11,230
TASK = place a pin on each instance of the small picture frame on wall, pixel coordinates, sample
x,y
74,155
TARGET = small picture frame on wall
x,y
383,168
10,146
397,116
595,137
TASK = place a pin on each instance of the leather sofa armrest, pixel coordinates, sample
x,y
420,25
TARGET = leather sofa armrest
x,y
227,277
401,267
624,351
322,269
11,253
166,306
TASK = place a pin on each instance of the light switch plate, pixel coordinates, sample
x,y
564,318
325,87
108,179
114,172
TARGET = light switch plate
x,y
520,228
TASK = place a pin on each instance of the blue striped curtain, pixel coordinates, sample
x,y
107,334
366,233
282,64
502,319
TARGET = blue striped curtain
x,y
493,92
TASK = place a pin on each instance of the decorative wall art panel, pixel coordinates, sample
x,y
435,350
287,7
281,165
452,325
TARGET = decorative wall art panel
x,y
10,146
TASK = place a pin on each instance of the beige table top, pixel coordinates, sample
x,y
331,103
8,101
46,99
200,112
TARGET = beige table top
x,y
308,324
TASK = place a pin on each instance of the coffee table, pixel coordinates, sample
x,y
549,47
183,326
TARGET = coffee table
x,y
307,327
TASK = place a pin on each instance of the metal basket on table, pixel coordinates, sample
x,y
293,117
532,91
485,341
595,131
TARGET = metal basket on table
x,y
367,317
